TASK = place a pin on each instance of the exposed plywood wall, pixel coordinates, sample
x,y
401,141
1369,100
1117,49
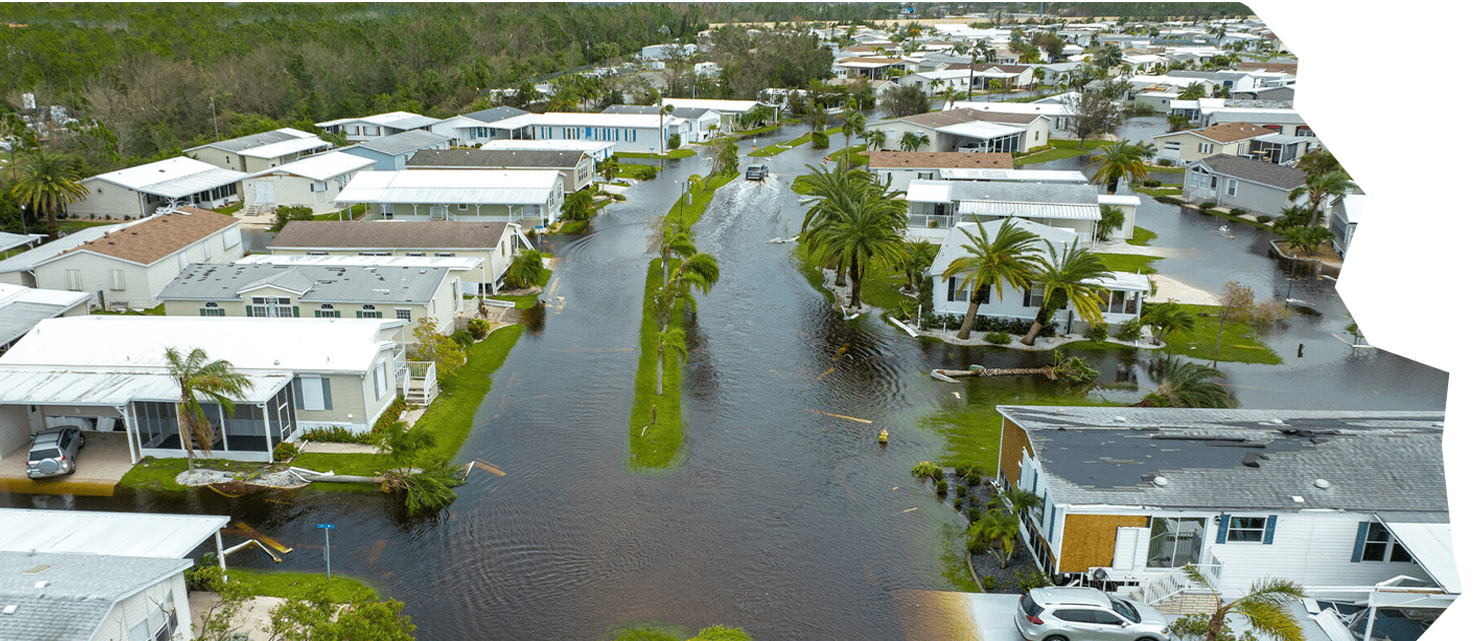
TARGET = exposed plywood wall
x,y
1014,443
1089,540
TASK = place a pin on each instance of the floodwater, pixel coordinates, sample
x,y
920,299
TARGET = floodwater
x,y
784,519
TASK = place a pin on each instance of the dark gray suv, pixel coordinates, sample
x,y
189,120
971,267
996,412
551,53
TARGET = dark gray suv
x,y
54,452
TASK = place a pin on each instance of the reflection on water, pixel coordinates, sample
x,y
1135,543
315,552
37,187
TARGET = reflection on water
x,y
787,518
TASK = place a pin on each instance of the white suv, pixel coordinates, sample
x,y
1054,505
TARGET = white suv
x,y
1086,614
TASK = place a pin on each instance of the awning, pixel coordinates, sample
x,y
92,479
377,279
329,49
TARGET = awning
x,y
21,385
1432,545
168,536
1030,210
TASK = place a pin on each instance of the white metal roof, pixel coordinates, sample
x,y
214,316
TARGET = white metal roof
x,y
165,536
981,130
10,241
928,192
172,178
452,186
321,166
591,146
47,385
395,119
279,149
1028,108
1013,175
568,119
453,263
1118,199
292,344
724,106
1065,211
1433,546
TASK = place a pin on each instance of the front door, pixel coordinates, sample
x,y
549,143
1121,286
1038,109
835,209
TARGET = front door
x,y
1175,542
266,193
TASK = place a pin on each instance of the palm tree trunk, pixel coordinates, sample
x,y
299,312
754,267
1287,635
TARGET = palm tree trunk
x,y
1045,313
659,362
972,313
51,226
1215,623
184,437
1111,188
855,278
839,280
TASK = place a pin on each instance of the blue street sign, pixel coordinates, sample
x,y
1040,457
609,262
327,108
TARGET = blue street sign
x,y
326,526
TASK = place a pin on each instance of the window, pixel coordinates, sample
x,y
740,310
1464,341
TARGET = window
x,y
327,313
414,253
1206,147
368,311
1034,296
1075,616
1175,542
1172,145
317,253
74,280
271,307
955,293
462,207
373,253
205,249
1233,187
211,311
1375,543
401,314
317,186
381,378
444,255
115,280
313,392
1243,529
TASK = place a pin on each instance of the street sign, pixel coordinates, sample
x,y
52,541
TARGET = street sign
x,y
327,546
326,526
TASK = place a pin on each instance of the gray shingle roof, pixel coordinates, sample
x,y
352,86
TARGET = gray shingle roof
x,y
315,283
403,143
18,318
1256,171
1375,461
252,141
402,234
81,589
495,158
689,113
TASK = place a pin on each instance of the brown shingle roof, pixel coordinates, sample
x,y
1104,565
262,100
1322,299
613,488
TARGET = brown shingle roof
x,y
310,234
957,116
939,160
159,235
1276,67
1232,131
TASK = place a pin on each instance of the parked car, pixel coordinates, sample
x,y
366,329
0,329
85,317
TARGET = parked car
x,y
757,172
54,452
1086,614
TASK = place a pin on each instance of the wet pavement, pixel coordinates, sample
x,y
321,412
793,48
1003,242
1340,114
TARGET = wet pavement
x,y
784,519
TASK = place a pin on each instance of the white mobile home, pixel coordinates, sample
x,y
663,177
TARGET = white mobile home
x,y
136,192
458,194
377,126
261,151
628,132
311,182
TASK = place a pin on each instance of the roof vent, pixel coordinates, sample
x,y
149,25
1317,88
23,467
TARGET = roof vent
x,y
276,362
9,609
42,584
1252,459
1323,484
1297,499
1120,419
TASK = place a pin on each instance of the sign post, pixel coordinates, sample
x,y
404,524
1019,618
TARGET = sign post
x,y
327,550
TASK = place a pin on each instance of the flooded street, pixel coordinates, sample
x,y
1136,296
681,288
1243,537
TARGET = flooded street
x,y
784,520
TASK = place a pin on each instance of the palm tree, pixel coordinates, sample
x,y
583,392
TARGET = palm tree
x,y
949,98
1070,278
851,123
526,269
1307,239
672,339
1039,75
579,205
660,135
874,139
1265,607
1008,257
832,191
1111,219
1193,91
607,168
998,528
1119,160
866,228
1182,383
699,272
1318,163
723,155
911,141
47,183
1320,190
1165,318
919,255
198,376
994,85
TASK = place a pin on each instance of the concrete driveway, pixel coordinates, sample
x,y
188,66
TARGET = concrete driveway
x,y
100,465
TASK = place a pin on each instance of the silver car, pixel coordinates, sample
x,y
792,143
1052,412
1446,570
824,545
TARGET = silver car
x,y
1086,614
54,452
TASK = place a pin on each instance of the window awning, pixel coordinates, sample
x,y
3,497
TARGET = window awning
x,y
1433,547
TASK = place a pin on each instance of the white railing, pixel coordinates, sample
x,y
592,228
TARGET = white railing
x,y
1164,587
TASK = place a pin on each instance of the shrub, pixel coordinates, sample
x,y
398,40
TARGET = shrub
x,y
998,338
957,504
284,452
479,328
391,414
974,514
1098,333
975,500
926,469
1264,218
204,577
976,545
821,140
289,213
941,489
1164,162
672,143
990,582
463,338
1151,183
1129,330
964,469
1207,204
645,172
1033,579
1237,212
339,434
974,479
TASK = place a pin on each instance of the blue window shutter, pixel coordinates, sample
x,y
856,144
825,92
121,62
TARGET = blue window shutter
x,y
327,393
1361,541
1268,528
1223,528
249,312
296,390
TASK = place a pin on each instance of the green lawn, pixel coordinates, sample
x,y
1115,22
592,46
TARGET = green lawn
x,y
676,154
778,148
355,212
627,170
1142,237
1241,344
856,153
700,198
301,585
754,132
152,311
1133,263
231,209
658,445
526,301
1061,148
1228,216
971,431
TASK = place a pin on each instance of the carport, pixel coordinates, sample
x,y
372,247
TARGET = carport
x,y
165,536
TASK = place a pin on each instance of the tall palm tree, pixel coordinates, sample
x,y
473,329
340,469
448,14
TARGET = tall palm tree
x,y
851,123
672,238
1307,239
699,272
1318,163
1010,256
1193,91
671,339
919,255
1070,278
866,228
47,184
1111,219
1265,607
998,529
832,192
911,141
1183,383
1321,190
1119,160
199,376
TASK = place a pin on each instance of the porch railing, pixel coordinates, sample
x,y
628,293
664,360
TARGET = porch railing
x,y
420,385
938,222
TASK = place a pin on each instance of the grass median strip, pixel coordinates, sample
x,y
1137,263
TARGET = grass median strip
x,y
658,444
